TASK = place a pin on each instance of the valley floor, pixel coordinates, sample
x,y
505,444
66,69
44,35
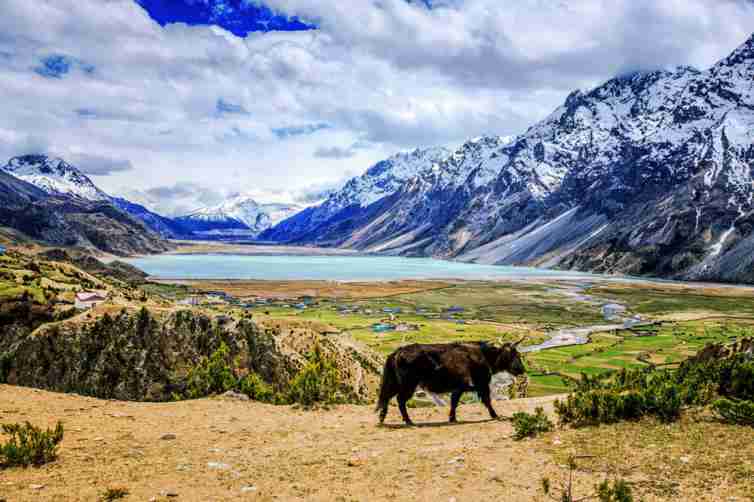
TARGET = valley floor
x,y
226,449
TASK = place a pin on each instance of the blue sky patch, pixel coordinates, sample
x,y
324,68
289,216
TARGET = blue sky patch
x,y
239,17
54,66
59,65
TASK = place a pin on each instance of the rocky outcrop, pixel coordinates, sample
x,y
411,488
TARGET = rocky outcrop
x,y
140,357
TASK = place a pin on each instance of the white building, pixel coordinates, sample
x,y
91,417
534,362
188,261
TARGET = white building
x,y
89,299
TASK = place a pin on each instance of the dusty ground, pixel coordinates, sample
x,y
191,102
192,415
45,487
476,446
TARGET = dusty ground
x,y
235,450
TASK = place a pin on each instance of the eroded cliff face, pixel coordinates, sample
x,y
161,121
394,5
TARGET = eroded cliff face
x,y
141,357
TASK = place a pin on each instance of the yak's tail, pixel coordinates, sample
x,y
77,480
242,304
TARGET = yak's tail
x,y
390,384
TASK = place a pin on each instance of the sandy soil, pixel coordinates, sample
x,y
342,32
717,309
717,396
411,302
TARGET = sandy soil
x,y
227,449
234,450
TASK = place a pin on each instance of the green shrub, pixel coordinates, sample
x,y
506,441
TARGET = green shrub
x,y
212,375
257,389
114,494
662,393
29,445
526,425
735,412
619,491
317,382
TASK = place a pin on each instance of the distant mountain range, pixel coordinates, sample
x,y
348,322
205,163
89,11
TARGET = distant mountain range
x,y
239,217
650,174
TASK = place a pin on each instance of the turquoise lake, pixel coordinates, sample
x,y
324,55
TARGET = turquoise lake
x,y
331,268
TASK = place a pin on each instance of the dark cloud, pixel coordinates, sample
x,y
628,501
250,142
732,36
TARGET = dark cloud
x,y
303,130
334,152
97,165
226,107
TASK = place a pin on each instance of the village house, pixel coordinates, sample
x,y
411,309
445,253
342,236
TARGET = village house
x,y
191,300
89,299
2,250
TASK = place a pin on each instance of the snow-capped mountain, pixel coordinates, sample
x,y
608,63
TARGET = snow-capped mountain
x,y
649,173
382,179
239,216
72,220
54,176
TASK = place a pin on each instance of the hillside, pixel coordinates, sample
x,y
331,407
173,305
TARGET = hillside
x,y
647,174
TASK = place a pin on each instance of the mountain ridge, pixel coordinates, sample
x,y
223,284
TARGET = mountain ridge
x,y
648,173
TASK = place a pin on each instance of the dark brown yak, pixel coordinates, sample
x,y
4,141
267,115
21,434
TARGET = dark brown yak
x,y
441,368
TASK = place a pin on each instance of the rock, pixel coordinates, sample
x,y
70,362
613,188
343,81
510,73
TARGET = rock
x,y
218,466
235,395
169,493
36,487
168,437
248,489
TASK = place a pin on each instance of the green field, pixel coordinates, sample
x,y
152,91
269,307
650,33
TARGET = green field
x,y
512,310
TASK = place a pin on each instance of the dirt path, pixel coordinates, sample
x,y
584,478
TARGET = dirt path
x,y
235,450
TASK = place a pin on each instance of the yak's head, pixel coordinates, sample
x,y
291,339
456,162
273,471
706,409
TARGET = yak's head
x,y
509,359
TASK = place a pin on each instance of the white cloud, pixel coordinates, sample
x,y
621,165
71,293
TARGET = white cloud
x,y
272,114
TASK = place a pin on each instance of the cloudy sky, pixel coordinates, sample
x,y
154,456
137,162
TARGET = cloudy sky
x,y
179,103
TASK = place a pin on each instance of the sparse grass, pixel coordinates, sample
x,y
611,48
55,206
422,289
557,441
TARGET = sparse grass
x,y
694,452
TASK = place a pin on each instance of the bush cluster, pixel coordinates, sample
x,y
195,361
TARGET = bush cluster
x,y
735,411
29,445
526,425
318,382
662,393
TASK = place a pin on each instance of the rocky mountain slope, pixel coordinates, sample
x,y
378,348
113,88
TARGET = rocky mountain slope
x,y
240,216
72,220
382,179
649,173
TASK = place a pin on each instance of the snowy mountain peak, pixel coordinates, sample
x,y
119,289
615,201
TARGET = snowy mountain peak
x,y
54,176
239,213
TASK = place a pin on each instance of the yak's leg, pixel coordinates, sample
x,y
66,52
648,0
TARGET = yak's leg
x,y
403,396
455,398
383,410
484,395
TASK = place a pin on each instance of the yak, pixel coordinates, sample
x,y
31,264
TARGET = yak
x,y
452,368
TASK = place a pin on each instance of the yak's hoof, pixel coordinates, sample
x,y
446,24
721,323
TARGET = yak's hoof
x,y
453,420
